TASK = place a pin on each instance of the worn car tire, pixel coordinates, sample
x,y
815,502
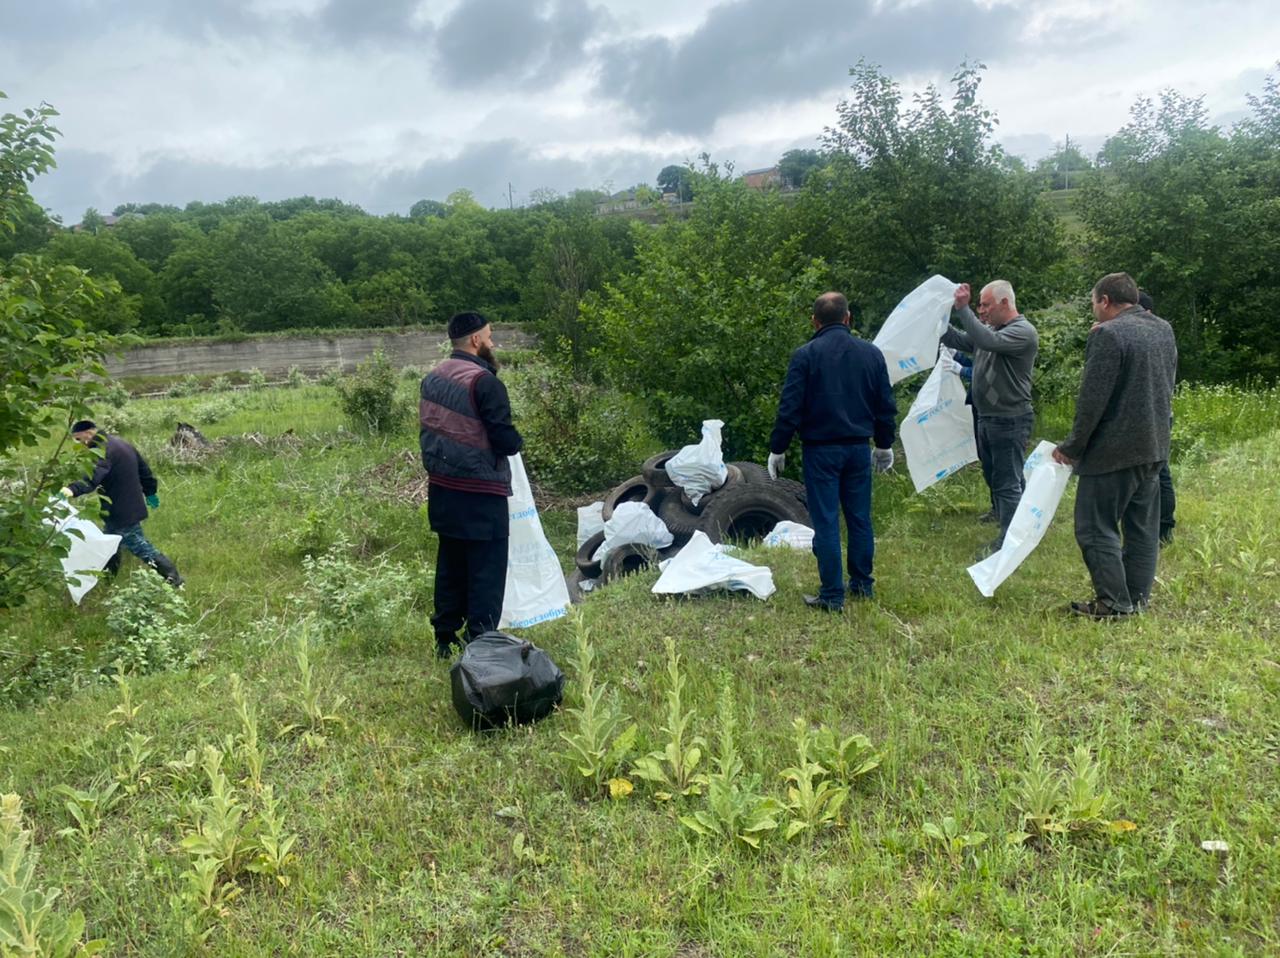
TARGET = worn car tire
x,y
752,471
626,559
733,477
574,582
794,489
589,568
680,522
635,489
654,470
749,511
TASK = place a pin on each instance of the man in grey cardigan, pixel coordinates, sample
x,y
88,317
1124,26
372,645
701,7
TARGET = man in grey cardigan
x,y
1004,347
1117,445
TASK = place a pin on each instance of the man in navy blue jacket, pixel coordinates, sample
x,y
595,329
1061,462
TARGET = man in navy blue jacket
x,y
128,486
837,397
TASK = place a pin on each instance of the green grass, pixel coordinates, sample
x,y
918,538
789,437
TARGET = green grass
x,y
407,821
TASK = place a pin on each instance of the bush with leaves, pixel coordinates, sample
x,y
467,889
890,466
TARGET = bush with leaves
x,y
602,738
52,362
368,396
149,625
346,595
578,436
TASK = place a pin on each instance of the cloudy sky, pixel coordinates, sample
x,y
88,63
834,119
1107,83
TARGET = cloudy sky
x,y
385,102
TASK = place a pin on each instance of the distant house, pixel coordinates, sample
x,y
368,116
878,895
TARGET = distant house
x,y
619,202
762,179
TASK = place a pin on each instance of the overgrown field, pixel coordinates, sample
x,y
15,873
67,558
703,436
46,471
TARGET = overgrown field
x,y
1007,747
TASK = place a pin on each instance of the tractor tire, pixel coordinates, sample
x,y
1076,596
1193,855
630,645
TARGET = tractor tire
x,y
752,471
733,477
680,522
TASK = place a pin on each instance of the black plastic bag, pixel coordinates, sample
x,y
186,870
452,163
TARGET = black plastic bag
x,y
501,680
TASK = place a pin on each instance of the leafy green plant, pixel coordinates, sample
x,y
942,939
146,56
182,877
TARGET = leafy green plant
x,y
600,744
257,379
735,809
368,396
1069,801
87,807
186,386
846,759
247,741
204,897
813,799
309,698
296,377
218,829
344,595
149,625
131,763
673,769
951,838
273,842
29,926
126,711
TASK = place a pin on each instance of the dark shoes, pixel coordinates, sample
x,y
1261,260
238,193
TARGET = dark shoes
x,y
813,602
989,517
1098,609
169,569
445,645
1166,537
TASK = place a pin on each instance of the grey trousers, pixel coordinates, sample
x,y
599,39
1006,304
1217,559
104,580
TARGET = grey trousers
x,y
1118,531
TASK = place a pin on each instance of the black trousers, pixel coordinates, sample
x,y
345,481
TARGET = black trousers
x,y
1118,531
471,577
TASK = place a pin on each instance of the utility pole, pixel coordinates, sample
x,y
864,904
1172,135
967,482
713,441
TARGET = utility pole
x,y
511,203
1066,159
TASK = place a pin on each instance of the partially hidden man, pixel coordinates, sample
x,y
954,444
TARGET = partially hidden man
x,y
466,435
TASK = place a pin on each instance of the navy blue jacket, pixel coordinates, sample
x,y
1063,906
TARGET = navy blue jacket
x,y
837,391
124,478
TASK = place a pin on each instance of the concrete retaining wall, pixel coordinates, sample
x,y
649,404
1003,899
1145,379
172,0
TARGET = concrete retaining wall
x,y
312,354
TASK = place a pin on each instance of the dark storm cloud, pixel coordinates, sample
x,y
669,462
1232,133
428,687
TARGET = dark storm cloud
x,y
489,42
761,52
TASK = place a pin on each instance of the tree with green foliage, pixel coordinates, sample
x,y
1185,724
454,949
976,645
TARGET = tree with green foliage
x,y
1191,213
104,256
796,165
678,180
1065,168
704,322
913,191
51,358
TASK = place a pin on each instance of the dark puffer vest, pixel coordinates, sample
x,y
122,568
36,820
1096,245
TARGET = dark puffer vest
x,y
455,444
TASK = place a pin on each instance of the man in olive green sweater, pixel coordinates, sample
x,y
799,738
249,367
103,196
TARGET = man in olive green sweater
x,y
1118,443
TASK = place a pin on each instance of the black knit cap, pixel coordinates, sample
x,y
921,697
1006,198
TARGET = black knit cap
x,y
464,324
84,425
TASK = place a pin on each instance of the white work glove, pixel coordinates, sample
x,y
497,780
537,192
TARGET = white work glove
x,y
777,462
66,492
949,365
882,459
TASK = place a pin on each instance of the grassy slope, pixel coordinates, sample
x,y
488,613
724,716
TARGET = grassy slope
x,y
401,849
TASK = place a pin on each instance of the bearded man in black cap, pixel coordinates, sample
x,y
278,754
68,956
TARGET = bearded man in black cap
x,y
129,486
466,436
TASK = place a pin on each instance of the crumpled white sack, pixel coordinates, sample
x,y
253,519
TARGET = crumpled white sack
x,y
699,468
937,433
633,523
795,535
590,521
87,555
704,566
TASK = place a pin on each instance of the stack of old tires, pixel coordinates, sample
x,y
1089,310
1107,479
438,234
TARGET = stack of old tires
x,y
746,507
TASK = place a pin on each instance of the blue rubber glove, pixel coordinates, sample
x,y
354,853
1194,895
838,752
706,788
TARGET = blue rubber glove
x,y
153,501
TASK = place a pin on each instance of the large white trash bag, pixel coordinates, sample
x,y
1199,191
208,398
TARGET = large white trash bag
x,y
86,555
590,521
536,590
909,337
633,523
1045,486
705,566
937,434
699,468
795,535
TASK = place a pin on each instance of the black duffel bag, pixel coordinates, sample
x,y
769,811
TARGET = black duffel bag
x,y
501,680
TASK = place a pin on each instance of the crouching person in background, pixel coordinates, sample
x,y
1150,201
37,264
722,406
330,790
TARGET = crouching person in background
x,y
465,436
129,486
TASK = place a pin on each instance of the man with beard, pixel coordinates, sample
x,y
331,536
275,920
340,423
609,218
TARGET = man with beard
x,y
466,436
